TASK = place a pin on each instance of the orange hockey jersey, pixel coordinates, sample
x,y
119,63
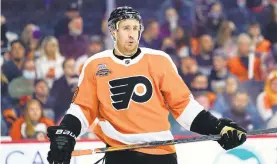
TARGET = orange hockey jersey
x,y
129,100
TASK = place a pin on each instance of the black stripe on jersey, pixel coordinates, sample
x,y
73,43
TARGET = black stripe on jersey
x,y
124,57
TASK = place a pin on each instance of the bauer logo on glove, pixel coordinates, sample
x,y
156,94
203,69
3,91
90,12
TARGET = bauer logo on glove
x,y
66,132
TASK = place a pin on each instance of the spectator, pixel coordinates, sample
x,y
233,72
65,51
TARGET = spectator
x,y
27,33
31,38
223,100
267,100
262,45
49,65
42,95
180,37
239,112
214,19
204,100
171,24
219,73
95,45
13,68
64,88
188,70
201,11
168,46
224,40
182,42
75,43
200,85
240,65
24,85
150,35
33,125
61,27
271,28
205,58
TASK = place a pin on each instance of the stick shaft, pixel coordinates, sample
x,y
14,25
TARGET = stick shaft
x,y
168,142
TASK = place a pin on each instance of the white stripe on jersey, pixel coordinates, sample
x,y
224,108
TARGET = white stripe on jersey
x,y
191,111
76,111
111,132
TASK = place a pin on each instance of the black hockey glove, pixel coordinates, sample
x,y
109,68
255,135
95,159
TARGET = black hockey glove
x,y
231,134
61,146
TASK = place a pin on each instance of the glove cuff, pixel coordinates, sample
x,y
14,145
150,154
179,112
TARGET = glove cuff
x,y
72,124
205,123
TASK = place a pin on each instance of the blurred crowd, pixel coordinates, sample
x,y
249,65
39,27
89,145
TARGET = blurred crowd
x,y
229,65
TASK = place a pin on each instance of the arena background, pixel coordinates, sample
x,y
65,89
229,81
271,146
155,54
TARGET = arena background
x,y
225,51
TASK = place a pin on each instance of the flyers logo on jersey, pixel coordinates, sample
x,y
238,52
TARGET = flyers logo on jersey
x,y
136,88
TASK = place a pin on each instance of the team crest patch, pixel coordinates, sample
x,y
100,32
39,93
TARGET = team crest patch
x,y
103,70
75,94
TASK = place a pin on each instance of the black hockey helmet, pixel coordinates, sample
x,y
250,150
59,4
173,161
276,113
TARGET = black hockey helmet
x,y
122,13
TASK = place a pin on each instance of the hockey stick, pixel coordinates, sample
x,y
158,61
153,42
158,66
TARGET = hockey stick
x,y
168,142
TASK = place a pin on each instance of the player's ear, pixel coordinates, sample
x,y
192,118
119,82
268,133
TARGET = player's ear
x,y
113,35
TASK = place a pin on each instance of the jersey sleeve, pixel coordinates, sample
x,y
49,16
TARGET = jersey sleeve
x,y
177,95
84,104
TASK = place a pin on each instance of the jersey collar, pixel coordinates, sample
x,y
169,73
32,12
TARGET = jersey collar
x,y
127,61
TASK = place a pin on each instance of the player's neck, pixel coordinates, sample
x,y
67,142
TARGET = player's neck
x,y
121,57
124,53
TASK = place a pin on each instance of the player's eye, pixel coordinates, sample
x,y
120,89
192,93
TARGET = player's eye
x,y
136,28
126,28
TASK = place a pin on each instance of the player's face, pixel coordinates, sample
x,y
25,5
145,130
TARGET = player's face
x,y
127,36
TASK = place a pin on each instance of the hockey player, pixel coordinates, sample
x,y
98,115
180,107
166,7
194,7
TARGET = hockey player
x,y
128,93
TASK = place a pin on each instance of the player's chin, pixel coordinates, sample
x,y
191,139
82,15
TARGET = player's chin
x,y
131,48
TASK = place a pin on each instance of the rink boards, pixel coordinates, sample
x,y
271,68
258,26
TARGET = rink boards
x,y
260,150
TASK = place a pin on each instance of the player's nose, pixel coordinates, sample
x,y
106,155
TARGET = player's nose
x,y
131,37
